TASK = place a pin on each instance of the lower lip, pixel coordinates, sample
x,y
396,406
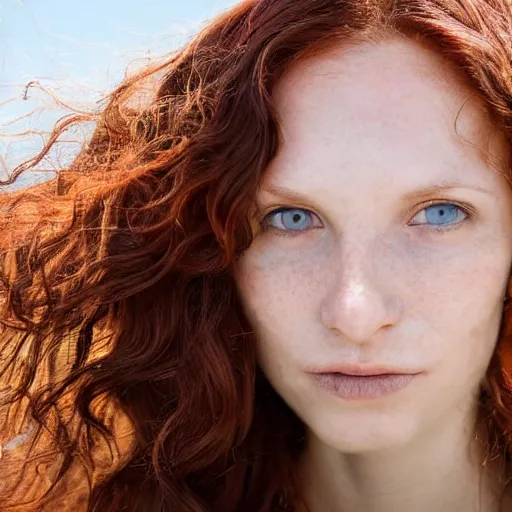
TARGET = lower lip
x,y
356,386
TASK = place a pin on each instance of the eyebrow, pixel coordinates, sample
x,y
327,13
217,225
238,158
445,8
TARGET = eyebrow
x,y
427,190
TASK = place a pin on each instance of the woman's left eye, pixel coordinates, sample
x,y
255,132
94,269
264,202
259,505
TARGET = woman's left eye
x,y
443,216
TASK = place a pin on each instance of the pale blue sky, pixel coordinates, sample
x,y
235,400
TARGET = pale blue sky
x,y
80,49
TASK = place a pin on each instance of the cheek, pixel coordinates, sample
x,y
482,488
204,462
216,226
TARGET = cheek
x,y
280,296
463,290
277,297
459,306
278,287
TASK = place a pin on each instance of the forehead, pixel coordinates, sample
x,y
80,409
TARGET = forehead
x,y
395,68
375,98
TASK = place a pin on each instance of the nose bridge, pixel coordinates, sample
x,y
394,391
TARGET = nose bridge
x,y
359,300
359,255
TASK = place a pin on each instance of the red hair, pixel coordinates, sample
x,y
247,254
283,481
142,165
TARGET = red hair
x,y
121,327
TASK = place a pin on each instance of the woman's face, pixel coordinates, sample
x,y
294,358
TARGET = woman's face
x,y
371,264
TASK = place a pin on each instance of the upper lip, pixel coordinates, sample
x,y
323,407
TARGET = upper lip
x,y
361,370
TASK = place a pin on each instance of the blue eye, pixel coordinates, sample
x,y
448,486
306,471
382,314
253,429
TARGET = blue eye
x,y
443,216
289,219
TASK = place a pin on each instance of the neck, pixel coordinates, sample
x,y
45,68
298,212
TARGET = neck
x,y
443,471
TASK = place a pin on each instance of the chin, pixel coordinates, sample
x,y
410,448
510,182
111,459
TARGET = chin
x,y
363,435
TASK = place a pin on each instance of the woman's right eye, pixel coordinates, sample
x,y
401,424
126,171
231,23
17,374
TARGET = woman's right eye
x,y
289,220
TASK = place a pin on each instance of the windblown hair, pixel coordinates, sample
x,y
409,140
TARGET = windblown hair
x,y
126,359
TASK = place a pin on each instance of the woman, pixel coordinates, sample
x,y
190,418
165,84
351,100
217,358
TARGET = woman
x,y
279,285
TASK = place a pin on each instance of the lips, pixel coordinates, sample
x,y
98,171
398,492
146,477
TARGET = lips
x,y
363,382
359,387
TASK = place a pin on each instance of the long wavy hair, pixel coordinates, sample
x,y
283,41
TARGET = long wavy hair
x,y
128,367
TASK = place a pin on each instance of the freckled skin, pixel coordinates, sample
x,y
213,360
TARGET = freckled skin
x,y
362,128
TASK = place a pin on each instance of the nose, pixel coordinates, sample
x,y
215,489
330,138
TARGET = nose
x,y
361,297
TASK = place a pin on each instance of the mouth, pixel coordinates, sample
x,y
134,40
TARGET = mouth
x,y
357,387
356,382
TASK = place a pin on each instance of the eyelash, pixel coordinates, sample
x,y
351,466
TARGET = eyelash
x,y
466,209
